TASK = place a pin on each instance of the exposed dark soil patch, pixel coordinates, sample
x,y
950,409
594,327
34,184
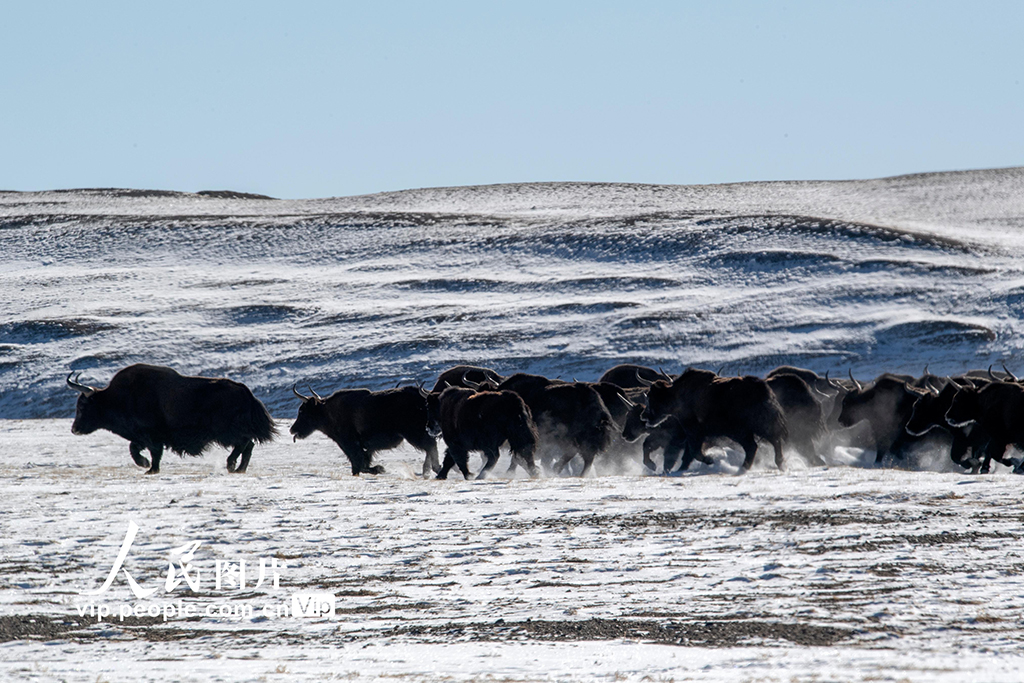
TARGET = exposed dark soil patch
x,y
699,633
944,538
788,520
42,627
25,626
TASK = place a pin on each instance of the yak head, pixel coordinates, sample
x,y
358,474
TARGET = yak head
x,y
633,426
667,397
963,410
312,415
89,411
930,410
660,400
434,412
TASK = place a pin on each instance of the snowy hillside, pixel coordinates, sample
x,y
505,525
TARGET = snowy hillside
x,y
565,279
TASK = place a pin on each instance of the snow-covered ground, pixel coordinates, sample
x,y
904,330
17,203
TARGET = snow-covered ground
x,y
840,573
845,573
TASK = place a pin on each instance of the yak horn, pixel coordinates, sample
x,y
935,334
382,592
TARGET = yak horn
x,y
664,374
1009,373
643,381
84,389
295,391
626,401
857,384
315,395
993,377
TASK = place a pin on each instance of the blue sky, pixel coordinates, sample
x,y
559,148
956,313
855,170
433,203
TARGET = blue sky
x,y
315,99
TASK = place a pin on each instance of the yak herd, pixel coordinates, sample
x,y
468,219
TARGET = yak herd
x,y
546,423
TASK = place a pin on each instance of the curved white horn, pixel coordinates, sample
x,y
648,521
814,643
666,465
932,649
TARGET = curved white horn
x,y
84,389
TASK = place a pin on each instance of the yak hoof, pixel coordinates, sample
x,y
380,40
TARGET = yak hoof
x,y
152,471
375,469
142,461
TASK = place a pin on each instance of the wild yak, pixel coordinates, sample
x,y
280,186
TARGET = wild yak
x,y
929,413
630,376
363,422
569,416
802,411
886,406
470,420
465,376
155,408
706,406
996,408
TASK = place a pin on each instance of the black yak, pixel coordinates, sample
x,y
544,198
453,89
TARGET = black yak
x,y
708,406
470,420
886,406
155,408
363,422
803,413
929,412
570,416
996,409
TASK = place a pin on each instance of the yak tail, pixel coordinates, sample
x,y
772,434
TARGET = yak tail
x,y
261,426
775,420
522,435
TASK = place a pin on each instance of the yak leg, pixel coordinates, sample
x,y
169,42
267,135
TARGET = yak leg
x,y
672,452
430,463
649,447
453,457
490,460
880,451
958,449
446,467
566,459
588,462
528,461
995,451
777,445
246,454
155,452
136,450
428,445
233,458
372,469
357,456
462,460
749,446
694,450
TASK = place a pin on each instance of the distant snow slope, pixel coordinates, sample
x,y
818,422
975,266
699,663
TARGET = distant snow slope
x,y
561,278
